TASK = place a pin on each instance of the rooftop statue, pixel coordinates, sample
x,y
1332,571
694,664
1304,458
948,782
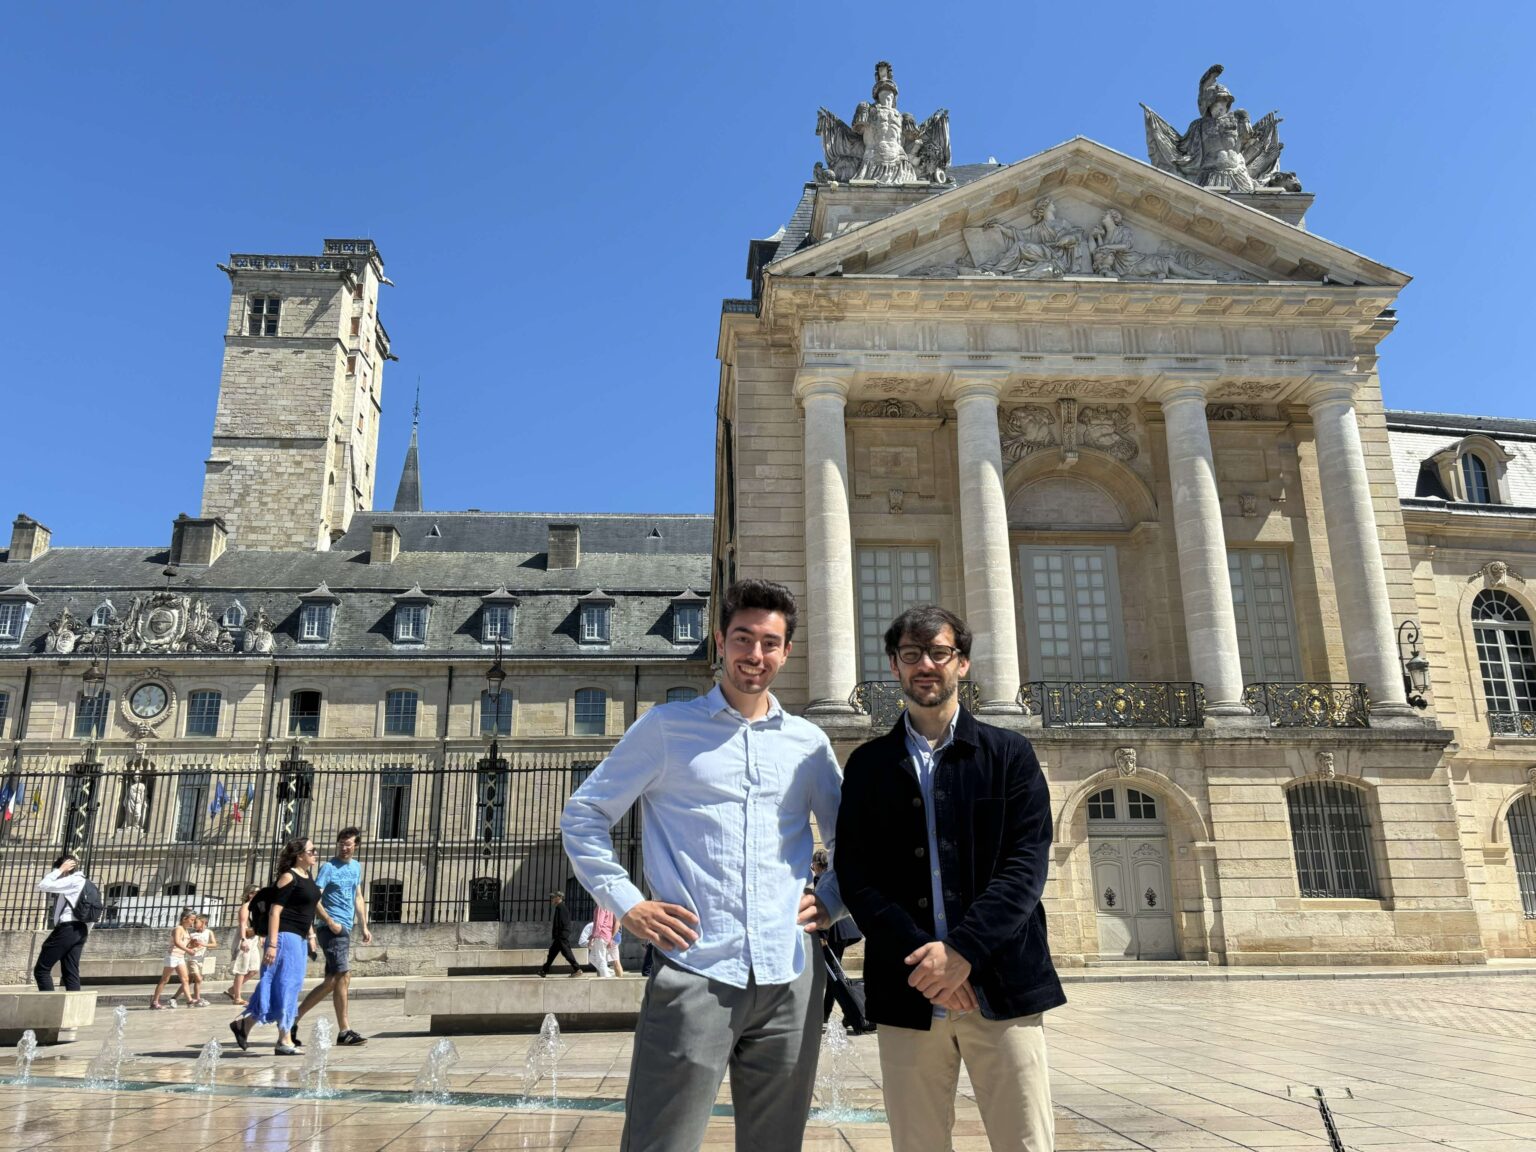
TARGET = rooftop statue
x,y
1222,150
883,145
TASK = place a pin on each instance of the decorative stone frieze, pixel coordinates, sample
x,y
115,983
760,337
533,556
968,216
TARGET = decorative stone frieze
x,y
159,622
893,409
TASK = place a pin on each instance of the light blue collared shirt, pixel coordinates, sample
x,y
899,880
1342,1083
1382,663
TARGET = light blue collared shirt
x,y
925,758
725,817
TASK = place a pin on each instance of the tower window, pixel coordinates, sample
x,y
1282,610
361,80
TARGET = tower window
x,y
262,314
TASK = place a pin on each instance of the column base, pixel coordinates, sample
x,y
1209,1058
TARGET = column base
x,y
1401,715
999,708
1232,709
831,708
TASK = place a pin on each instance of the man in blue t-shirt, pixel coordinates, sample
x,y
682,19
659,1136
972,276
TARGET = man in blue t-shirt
x,y
340,880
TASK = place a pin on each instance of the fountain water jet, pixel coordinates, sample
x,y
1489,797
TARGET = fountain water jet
x,y
26,1052
432,1085
205,1073
543,1059
106,1066
312,1077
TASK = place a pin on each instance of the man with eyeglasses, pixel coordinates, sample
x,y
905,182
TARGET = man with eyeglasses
x,y
943,840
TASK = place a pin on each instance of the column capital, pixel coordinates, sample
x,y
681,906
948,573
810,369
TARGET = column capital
x,y
823,382
1328,390
978,381
1171,389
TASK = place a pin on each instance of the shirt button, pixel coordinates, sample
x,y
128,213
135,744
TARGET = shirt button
x,y
919,852
922,901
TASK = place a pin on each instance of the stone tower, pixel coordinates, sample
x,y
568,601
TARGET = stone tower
x,y
296,435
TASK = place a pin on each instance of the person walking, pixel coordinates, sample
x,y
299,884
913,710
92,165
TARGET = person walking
x,y
247,952
176,953
289,932
560,937
943,842
66,941
729,783
599,948
341,913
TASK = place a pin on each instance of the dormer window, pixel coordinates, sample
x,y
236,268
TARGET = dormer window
x,y
103,614
411,611
688,618
317,617
234,616
1473,470
596,618
497,616
15,610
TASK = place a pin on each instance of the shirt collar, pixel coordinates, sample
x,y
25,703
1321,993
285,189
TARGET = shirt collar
x,y
717,703
914,734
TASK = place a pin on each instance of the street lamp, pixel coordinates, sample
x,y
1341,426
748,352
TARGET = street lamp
x,y
1415,666
495,677
93,682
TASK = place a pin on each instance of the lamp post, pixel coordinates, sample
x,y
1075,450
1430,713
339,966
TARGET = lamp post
x,y
495,677
492,766
94,683
1415,666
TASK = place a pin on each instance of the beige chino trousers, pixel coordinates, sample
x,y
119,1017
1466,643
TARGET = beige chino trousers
x,y
1006,1060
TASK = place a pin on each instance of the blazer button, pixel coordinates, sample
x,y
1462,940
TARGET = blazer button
x,y
919,852
922,901
917,801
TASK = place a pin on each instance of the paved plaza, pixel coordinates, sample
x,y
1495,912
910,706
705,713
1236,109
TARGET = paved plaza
x,y
1408,1065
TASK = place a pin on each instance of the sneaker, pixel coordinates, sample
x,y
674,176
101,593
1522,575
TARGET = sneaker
x,y
285,1050
351,1039
201,1003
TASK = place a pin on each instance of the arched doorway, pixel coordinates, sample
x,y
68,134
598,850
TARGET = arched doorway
x,y
1128,850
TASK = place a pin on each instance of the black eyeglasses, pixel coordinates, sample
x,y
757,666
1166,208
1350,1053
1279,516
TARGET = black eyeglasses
x,y
940,654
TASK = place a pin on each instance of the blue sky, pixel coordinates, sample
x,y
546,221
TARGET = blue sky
x,y
563,194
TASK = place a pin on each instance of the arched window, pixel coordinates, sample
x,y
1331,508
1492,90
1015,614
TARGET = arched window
x,y
234,616
1101,805
681,695
1506,656
103,615
1522,838
485,899
591,712
1331,837
1474,479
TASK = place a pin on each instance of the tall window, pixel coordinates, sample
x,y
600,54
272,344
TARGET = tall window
x,y
400,712
591,712
687,623
496,713
261,315
1505,652
5,707
13,618
1474,478
596,623
386,902
496,622
191,801
681,695
394,803
891,580
1261,601
1522,838
304,713
315,622
91,715
1072,609
1331,838
410,623
485,899
203,713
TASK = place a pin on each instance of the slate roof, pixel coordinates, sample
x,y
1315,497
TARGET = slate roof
x,y
642,561
1417,436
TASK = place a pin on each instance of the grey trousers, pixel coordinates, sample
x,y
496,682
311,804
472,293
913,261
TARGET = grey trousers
x,y
692,1029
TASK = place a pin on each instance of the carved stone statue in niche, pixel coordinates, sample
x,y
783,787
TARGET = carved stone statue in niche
x,y
1028,428
1041,250
135,806
1108,428
883,145
1221,150
1112,248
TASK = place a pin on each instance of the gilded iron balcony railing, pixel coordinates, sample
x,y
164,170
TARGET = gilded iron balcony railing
x,y
882,701
1512,723
1114,704
1310,704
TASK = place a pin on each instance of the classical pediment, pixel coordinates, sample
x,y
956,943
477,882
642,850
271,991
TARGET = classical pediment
x,y
1083,211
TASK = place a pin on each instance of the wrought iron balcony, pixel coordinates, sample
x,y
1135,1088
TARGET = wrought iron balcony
x,y
1114,704
882,701
1512,723
1310,704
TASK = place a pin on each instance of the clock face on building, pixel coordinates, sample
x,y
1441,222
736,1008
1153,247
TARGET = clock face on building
x,y
148,701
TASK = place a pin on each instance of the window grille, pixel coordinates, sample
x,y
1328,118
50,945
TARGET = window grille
x,y
262,315
1331,838
1522,839
103,614
496,713
386,901
203,713
1506,655
234,616
491,804
1139,806
591,712
400,712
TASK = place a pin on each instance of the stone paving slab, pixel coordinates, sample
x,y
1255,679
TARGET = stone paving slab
x,y
1442,1062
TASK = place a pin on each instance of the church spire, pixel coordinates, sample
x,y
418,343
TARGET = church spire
x,y
408,495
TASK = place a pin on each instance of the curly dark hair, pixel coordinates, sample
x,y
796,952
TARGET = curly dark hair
x,y
922,623
290,856
766,595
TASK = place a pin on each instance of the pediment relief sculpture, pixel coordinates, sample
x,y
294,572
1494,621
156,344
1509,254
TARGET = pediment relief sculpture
x,y
1222,150
1106,428
1026,429
883,145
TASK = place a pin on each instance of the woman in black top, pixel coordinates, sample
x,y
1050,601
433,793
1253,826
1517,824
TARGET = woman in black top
x,y
289,936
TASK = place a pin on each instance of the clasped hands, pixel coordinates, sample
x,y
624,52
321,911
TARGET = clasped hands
x,y
943,976
671,927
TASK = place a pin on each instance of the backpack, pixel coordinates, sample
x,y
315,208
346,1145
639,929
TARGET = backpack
x,y
261,909
88,907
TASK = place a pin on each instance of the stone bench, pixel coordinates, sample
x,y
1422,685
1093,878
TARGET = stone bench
x,y
53,1017
519,1003
132,969
497,961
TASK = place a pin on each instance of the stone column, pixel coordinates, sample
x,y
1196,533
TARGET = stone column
x,y
829,618
1365,608
984,538
1205,584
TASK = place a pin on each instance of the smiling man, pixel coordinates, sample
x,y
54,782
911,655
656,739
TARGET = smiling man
x,y
727,786
943,841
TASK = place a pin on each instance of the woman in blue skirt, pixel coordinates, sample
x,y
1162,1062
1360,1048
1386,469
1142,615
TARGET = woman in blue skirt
x,y
290,934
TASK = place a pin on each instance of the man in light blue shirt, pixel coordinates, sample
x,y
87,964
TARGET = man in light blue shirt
x,y
727,786
341,912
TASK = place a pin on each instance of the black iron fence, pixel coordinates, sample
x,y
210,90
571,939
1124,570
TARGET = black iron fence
x,y
1310,704
1114,704
882,701
445,839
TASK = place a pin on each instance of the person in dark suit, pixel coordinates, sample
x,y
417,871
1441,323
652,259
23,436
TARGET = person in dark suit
x,y
943,840
560,937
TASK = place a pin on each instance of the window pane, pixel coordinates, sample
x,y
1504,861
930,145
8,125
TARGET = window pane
x,y
386,901
1522,839
191,799
891,580
91,716
203,713
400,713
591,712
688,623
595,622
1330,837
496,713
304,714
394,803
411,622
496,622
674,696
1474,475
1101,805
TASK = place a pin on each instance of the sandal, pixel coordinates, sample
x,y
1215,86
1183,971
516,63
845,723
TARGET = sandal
x,y
285,1050
157,1006
240,1033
